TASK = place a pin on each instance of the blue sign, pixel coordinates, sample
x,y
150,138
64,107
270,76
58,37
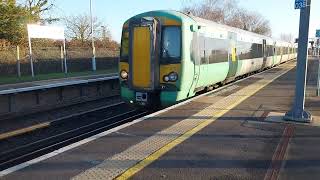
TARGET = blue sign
x,y
300,4
318,33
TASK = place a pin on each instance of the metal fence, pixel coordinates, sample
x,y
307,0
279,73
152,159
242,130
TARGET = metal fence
x,y
15,61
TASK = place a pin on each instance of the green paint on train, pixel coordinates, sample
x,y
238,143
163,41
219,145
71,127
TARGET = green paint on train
x,y
188,54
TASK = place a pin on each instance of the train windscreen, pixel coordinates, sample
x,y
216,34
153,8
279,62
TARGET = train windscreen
x,y
171,43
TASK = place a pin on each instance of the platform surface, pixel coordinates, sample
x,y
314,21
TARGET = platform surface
x,y
35,85
221,135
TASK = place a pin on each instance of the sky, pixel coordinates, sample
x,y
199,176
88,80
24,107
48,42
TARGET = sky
x,y
281,13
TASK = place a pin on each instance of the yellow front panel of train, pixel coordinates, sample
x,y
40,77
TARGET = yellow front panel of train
x,y
167,69
141,62
124,66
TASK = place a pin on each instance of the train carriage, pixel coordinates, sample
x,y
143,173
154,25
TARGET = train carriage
x,y
168,56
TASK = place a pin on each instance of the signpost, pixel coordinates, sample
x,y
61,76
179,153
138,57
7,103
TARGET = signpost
x,y
300,4
49,32
297,113
318,53
318,79
318,33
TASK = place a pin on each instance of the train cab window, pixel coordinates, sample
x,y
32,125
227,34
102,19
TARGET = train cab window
x,y
124,45
171,43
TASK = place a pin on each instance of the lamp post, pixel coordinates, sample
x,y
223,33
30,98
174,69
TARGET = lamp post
x,y
104,33
94,67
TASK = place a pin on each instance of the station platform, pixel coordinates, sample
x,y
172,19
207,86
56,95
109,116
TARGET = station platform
x,y
53,83
229,133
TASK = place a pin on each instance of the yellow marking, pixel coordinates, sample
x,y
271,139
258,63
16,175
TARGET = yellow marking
x,y
124,66
166,69
156,155
170,22
234,54
24,130
141,65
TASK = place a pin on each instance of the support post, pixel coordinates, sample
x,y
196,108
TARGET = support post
x,y
297,112
18,61
318,56
318,79
62,58
94,67
31,57
65,57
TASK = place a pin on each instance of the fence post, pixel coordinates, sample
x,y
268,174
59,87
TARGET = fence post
x,y
18,61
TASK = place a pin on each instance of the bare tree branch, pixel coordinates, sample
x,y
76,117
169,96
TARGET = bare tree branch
x,y
79,27
38,8
227,12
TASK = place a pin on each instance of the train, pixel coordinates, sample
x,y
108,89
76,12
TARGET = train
x,y
168,56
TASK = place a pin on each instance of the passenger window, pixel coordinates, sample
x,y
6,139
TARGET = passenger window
x,y
171,43
217,50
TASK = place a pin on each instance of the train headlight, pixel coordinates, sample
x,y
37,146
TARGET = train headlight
x,y
124,74
173,77
166,78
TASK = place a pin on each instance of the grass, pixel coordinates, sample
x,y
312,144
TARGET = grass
x,y
39,77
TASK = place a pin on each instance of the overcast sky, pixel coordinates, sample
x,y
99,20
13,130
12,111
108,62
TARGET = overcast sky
x,y
281,13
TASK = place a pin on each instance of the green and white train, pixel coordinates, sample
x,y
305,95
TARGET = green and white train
x,y
169,56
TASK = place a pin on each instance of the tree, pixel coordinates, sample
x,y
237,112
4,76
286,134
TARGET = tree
x,y
207,10
12,23
79,28
15,15
250,21
37,9
227,12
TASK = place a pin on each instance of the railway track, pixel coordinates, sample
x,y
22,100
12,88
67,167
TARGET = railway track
x,y
29,151
43,146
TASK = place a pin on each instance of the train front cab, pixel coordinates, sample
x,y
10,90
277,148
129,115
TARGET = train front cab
x,y
150,62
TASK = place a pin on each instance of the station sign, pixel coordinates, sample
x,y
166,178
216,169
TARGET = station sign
x,y
300,4
318,33
49,32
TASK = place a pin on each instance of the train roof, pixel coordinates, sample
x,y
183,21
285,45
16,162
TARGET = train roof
x,y
204,22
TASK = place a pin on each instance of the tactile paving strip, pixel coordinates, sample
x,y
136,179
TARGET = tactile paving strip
x,y
114,166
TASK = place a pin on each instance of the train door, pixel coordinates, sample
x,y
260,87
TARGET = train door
x,y
280,53
274,55
144,42
195,55
203,63
233,61
264,53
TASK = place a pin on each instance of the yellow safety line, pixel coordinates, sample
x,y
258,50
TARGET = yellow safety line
x,y
24,130
156,155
